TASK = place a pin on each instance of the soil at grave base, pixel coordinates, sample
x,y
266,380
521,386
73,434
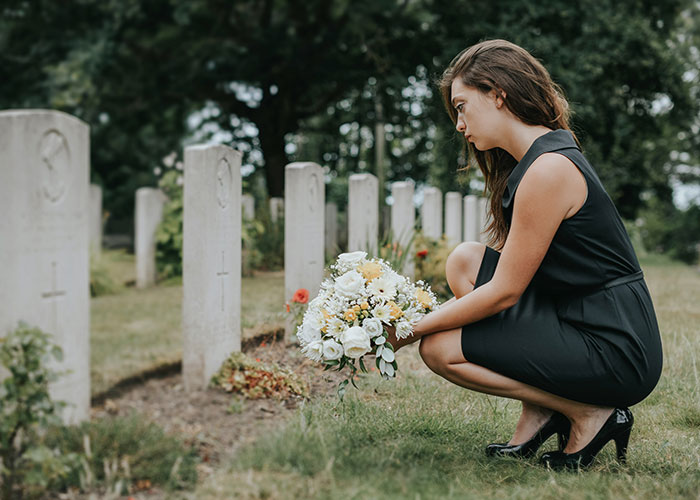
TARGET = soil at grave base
x,y
203,418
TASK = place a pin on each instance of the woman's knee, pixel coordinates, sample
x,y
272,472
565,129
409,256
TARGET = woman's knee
x,y
430,352
462,267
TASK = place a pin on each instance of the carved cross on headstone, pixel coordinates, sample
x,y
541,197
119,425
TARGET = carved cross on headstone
x,y
53,296
221,275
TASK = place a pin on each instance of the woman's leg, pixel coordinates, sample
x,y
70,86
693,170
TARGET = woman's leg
x,y
442,352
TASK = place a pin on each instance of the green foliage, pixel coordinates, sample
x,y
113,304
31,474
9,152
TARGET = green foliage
x,y
101,282
431,258
122,453
26,411
393,250
254,379
665,229
263,242
169,232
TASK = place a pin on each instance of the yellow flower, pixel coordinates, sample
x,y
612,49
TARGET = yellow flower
x,y
364,305
350,315
326,314
396,311
424,298
370,270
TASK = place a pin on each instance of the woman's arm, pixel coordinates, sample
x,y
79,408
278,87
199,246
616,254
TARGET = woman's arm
x,y
551,190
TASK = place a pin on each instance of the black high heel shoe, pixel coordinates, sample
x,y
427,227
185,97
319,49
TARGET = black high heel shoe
x,y
617,428
557,424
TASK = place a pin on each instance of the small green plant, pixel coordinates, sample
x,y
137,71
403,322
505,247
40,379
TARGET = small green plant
x,y
26,412
393,250
169,232
430,258
255,379
125,454
263,242
101,282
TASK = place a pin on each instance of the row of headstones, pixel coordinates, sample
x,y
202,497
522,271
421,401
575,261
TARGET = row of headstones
x,y
45,243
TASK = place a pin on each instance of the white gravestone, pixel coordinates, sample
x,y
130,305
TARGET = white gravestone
x,y
483,220
95,217
431,212
248,206
304,224
331,232
44,241
149,213
403,219
363,213
276,208
472,218
453,218
211,261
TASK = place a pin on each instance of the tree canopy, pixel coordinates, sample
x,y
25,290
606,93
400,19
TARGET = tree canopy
x,y
308,80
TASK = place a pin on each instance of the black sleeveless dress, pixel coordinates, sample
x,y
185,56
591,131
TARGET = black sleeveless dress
x,y
585,327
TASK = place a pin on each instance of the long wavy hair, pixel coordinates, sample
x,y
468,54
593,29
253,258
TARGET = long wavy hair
x,y
530,94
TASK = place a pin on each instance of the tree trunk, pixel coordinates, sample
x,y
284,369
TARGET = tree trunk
x,y
271,135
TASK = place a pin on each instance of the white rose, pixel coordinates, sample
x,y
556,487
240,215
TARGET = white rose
x,y
307,334
332,349
373,327
351,259
314,350
382,287
349,284
355,342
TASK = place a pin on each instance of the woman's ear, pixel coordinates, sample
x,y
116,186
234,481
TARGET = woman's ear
x,y
500,96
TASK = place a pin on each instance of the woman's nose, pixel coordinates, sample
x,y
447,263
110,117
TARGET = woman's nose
x,y
461,125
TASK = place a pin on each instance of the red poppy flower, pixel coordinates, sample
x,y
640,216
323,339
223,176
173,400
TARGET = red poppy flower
x,y
301,296
422,253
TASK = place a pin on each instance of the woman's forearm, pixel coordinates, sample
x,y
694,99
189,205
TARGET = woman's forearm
x,y
483,302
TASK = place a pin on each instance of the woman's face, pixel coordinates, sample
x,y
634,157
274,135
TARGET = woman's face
x,y
479,116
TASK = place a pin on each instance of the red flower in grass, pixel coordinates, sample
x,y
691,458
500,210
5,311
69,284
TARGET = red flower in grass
x,y
301,296
422,254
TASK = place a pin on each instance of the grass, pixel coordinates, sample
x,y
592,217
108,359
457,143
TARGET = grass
x,y
422,437
135,330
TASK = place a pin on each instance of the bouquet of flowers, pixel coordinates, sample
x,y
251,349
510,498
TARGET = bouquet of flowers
x,y
347,320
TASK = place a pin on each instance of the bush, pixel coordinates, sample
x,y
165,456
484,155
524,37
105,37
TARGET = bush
x,y
667,230
430,258
101,282
263,242
123,454
29,466
169,232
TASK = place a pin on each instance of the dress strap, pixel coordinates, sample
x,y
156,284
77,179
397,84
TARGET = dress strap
x,y
556,140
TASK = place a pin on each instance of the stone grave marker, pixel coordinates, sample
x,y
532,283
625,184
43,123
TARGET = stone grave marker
x,y
211,261
44,241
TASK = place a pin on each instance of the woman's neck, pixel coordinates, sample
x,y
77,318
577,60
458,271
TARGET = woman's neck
x,y
518,137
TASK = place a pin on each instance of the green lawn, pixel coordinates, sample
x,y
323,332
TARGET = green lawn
x,y
422,437
135,330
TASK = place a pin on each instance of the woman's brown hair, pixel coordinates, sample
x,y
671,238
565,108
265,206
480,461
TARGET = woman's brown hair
x,y
530,94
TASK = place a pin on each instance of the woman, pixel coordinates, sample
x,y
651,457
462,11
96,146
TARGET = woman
x,y
560,317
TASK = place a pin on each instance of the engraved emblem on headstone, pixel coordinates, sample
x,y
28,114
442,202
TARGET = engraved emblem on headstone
x,y
55,159
53,296
221,274
224,178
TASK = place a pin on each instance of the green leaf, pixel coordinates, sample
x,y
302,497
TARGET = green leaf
x,y
342,388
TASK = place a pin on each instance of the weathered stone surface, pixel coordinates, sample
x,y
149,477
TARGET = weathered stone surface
x,y
331,221
453,218
248,203
403,220
472,221
363,213
431,212
148,214
304,224
95,217
44,240
211,258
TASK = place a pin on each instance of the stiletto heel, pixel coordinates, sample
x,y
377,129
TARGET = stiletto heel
x,y
621,443
616,428
557,424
